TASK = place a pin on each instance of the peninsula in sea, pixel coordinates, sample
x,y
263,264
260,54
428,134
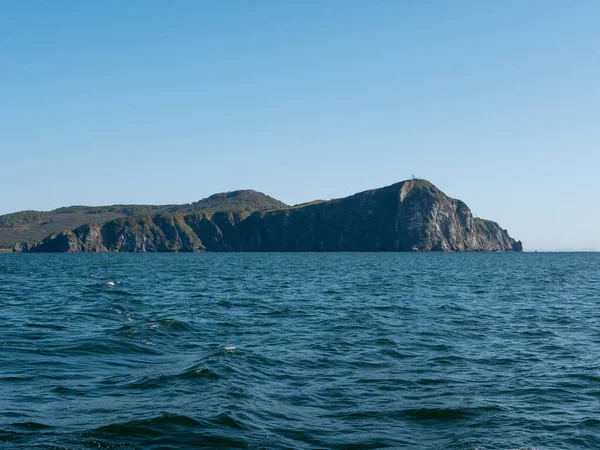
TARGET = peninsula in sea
x,y
411,215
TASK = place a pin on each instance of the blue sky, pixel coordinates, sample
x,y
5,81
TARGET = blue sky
x,y
497,103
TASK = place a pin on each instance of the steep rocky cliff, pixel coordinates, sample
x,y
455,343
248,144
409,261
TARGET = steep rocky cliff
x,y
21,228
411,215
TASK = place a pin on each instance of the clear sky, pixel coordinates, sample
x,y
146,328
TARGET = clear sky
x,y
140,101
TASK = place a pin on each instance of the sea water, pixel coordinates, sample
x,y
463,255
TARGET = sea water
x,y
300,350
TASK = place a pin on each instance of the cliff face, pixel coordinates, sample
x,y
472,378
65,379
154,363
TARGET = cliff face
x,y
409,216
20,229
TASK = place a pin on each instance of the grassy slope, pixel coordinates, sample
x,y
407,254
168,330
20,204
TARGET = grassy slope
x,y
35,225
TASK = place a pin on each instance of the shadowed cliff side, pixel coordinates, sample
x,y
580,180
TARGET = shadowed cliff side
x,y
408,216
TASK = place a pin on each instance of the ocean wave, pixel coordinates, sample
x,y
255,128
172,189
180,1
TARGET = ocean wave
x,y
420,414
284,310
48,326
171,431
173,325
109,346
190,374
30,425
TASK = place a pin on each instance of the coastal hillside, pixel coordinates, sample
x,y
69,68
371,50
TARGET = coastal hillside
x,y
412,215
32,226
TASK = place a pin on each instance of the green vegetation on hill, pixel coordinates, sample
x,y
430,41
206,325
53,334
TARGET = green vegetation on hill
x,y
31,226
245,201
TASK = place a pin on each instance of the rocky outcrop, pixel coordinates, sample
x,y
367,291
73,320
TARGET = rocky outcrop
x,y
20,247
409,216
31,226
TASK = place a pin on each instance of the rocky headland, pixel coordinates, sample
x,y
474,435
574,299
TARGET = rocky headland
x,y
412,215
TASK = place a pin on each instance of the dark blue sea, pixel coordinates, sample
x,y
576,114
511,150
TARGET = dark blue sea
x,y
300,351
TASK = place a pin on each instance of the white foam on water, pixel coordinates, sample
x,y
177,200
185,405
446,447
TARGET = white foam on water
x,y
230,348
